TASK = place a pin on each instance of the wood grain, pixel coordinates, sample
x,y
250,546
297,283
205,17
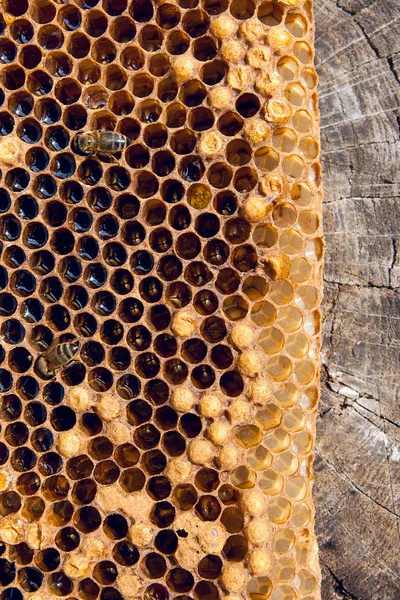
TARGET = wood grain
x,y
357,490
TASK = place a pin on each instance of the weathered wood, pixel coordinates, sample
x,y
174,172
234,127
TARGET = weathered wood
x,y
357,489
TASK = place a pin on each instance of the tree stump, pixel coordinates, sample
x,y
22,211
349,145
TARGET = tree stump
x,y
357,467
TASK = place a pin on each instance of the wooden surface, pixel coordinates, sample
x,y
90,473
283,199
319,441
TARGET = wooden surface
x,y
357,490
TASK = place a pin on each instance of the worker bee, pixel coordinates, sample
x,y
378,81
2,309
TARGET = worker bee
x,y
58,356
103,143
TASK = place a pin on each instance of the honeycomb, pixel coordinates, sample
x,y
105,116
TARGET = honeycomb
x,y
168,454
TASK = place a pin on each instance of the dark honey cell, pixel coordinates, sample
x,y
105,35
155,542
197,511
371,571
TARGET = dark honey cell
x,y
6,123
178,294
55,488
4,453
35,414
53,393
92,353
154,462
21,553
87,519
219,175
48,559
208,508
104,303
115,526
125,553
11,593
138,412
175,115
165,345
30,579
21,29
193,350
100,448
154,565
100,379
10,503
169,267
8,51
8,306
111,332
172,191
198,274
121,281
128,387
166,541
105,572
237,231
132,480
11,407
95,275
5,201
185,495
201,119
221,356
7,572
139,338
203,377
176,371
37,159
190,424
210,566
16,434
69,17
159,488
6,380
23,459
110,593
166,418
207,480
157,391
106,472
191,168
157,592
236,548
14,256
70,269
50,463
88,589
51,289
174,443
42,439
147,436
17,179
63,418
67,539
10,228
180,580
88,247
163,163
13,77
126,455
142,262
231,383
91,424
85,325
60,584
114,254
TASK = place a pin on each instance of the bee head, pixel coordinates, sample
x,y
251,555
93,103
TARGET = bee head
x,y
88,143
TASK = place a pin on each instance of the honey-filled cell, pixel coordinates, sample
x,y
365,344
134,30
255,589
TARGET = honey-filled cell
x,y
160,299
